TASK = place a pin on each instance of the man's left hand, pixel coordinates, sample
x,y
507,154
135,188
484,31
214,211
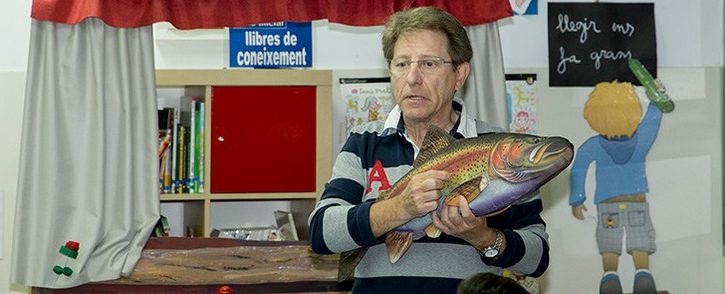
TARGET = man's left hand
x,y
460,222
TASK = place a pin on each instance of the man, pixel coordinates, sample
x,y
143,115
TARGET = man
x,y
428,53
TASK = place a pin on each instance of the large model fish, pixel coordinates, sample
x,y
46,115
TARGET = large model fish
x,y
491,171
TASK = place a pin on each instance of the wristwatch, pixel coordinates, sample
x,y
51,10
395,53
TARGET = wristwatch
x,y
493,250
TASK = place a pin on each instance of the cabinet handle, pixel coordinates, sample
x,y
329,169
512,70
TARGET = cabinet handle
x,y
220,139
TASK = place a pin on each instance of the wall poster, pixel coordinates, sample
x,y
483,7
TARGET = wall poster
x,y
521,101
364,100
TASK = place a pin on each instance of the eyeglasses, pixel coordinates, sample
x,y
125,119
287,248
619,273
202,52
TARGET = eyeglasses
x,y
401,66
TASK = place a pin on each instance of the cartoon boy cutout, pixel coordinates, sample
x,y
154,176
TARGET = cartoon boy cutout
x,y
619,152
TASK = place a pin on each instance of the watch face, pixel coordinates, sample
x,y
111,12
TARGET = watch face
x,y
491,253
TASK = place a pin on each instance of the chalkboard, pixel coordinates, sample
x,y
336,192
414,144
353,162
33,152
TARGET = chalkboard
x,y
592,42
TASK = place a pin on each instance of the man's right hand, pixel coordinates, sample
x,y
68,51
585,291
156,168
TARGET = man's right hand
x,y
578,211
419,197
423,192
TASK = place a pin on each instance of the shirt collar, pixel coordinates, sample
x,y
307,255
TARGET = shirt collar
x,y
465,125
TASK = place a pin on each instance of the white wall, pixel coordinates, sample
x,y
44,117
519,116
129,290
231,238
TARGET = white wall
x,y
15,32
11,112
685,165
689,33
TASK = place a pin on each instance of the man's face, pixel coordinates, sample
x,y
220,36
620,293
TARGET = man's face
x,y
425,97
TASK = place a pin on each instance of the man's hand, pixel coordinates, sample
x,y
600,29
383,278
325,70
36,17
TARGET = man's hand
x,y
423,192
419,197
460,222
578,211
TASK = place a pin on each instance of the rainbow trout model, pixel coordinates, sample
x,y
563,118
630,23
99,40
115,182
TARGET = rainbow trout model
x,y
492,171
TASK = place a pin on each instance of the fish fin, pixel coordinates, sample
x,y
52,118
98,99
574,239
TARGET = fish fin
x,y
432,231
348,261
498,211
469,189
435,140
397,244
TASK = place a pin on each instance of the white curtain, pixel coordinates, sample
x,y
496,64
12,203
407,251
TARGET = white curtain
x,y
88,163
485,91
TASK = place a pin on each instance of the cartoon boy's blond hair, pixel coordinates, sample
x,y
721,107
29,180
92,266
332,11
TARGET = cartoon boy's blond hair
x,y
613,109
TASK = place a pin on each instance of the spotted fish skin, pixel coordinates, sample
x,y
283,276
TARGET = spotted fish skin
x,y
492,171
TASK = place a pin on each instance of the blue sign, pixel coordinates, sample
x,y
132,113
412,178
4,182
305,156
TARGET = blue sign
x,y
271,45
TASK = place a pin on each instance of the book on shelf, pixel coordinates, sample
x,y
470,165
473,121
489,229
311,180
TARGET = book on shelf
x,y
197,146
181,167
201,140
174,147
164,127
181,157
166,172
171,109
164,142
189,118
192,143
164,165
286,225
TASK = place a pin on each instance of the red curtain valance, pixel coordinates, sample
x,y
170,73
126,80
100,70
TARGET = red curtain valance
x,y
196,14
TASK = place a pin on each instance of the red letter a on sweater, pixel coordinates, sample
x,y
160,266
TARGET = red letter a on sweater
x,y
377,174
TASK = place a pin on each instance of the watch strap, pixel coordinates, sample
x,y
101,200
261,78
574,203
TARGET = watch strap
x,y
495,248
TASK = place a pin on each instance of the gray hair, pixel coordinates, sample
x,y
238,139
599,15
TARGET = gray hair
x,y
428,18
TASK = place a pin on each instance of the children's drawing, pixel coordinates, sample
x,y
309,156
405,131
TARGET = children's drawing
x,y
360,100
522,122
521,100
366,102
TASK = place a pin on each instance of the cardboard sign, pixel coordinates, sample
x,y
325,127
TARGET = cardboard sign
x,y
271,45
592,42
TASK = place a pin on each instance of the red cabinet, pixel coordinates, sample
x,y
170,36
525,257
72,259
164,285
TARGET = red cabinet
x,y
263,139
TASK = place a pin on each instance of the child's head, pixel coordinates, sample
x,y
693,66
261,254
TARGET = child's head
x,y
488,283
613,110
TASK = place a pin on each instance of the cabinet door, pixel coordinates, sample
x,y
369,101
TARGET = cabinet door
x,y
263,139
